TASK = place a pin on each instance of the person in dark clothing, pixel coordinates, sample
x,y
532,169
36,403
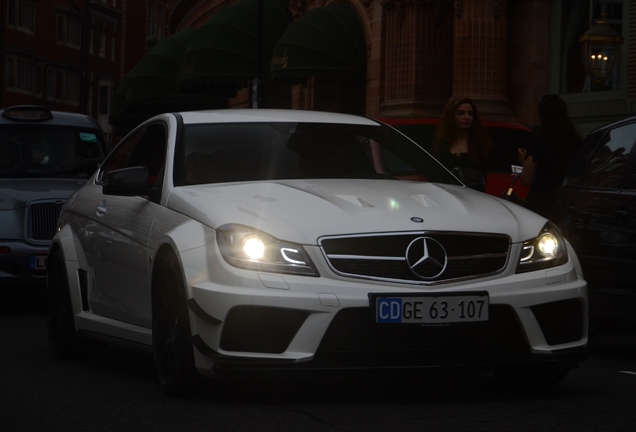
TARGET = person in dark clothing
x,y
547,153
461,140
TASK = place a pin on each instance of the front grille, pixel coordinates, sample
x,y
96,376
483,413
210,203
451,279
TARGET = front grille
x,y
400,257
42,220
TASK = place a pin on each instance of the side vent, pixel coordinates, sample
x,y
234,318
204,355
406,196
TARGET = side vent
x,y
82,276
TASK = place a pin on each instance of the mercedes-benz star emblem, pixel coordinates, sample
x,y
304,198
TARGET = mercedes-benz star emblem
x,y
426,258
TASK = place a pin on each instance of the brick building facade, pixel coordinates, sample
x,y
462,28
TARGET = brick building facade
x,y
70,55
75,56
504,54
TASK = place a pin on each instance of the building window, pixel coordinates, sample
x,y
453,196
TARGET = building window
x,y
10,73
24,75
577,18
69,31
74,32
156,11
19,74
60,29
102,41
158,33
11,12
151,13
113,43
21,15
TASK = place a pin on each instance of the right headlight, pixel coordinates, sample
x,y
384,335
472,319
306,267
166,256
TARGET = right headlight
x,y
248,248
544,251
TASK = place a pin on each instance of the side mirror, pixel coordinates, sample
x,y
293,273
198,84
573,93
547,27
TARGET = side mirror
x,y
472,178
127,182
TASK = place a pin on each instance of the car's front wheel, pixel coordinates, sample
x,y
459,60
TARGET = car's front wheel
x,y
171,336
63,339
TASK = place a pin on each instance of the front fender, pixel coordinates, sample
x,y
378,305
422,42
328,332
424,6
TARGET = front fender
x,y
189,238
74,259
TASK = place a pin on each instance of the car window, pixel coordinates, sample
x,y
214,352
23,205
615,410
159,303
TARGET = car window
x,y
423,134
146,148
215,153
48,151
608,164
506,142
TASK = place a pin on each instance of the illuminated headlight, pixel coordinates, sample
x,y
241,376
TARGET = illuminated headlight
x,y
248,248
546,250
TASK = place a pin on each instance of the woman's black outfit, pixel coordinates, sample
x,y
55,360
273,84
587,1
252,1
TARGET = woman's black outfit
x,y
463,160
550,159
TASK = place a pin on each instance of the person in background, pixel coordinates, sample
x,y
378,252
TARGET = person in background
x,y
547,153
461,140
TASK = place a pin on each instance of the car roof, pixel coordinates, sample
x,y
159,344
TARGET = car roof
x,y
272,115
401,121
59,118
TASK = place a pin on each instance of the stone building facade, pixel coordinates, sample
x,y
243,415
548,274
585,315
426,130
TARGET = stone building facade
x,y
504,54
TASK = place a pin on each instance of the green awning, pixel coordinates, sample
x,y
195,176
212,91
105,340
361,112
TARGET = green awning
x,y
151,86
225,49
154,79
327,41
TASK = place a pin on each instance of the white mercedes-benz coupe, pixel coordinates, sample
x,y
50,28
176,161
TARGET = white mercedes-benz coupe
x,y
239,243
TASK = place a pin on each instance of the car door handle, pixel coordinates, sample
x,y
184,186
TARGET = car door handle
x,y
101,209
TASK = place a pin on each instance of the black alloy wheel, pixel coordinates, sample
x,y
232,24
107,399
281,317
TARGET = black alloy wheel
x,y
63,339
171,336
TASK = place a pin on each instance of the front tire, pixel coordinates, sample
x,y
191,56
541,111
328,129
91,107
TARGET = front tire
x,y
63,339
171,336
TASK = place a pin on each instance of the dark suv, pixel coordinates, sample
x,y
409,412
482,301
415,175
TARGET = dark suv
x,y
44,157
597,204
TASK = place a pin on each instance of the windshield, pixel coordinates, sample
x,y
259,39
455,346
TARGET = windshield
x,y
215,153
48,151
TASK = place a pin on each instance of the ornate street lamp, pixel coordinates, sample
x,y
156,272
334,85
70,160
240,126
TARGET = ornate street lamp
x,y
601,48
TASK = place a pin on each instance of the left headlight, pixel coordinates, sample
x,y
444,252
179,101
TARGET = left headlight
x,y
546,250
248,248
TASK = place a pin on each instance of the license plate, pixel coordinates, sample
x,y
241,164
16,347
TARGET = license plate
x,y
428,309
37,262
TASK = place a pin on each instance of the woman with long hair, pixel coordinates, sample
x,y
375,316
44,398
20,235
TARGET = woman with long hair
x,y
461,140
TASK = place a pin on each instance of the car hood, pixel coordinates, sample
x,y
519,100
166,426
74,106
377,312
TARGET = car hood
x,y
16,193
301,211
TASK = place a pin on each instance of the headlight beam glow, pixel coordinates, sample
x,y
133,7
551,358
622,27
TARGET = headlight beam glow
x,y
253,248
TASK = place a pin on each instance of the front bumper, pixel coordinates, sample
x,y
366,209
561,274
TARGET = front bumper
x,y
16,266
247,322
